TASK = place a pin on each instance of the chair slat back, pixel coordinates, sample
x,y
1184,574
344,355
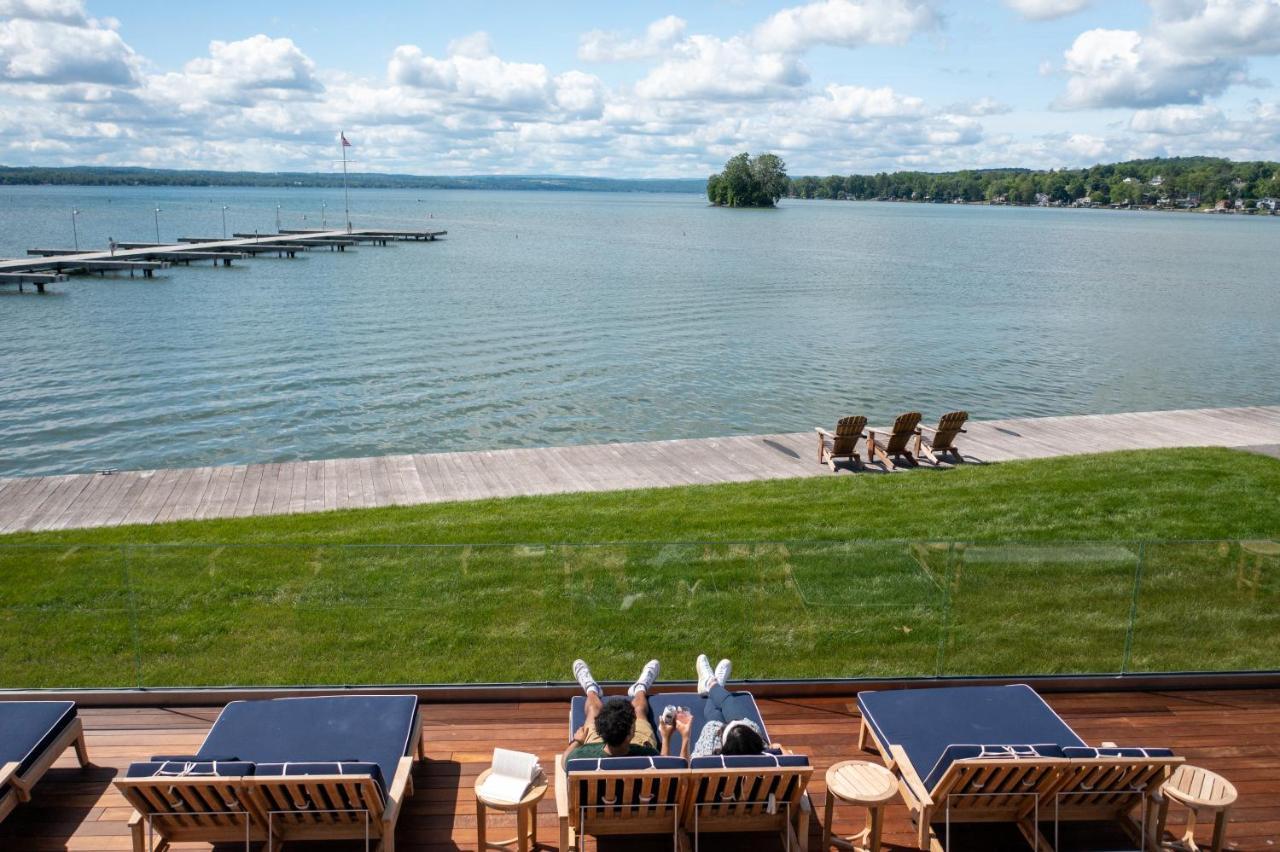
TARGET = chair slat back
x,y
904,429
1008,786
317,800
1103,782
949,427
745,799
193,806
848,431
625,801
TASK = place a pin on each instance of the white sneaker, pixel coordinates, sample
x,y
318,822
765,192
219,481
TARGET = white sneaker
x,y
585,680
724,668
705,676
644,683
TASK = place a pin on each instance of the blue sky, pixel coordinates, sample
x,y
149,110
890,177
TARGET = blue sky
x,y
637,90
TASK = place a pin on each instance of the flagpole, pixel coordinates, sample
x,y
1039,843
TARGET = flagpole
x,y
346,198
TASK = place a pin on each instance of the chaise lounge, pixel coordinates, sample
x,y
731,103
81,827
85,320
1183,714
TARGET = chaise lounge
x,y
667,795
325,768
1001,754
34,734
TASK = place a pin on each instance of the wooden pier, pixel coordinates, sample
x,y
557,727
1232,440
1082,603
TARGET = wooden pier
x,y
155,496
43,267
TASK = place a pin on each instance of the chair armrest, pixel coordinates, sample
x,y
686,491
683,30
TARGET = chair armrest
x,y
927,429
910,778
395,797
9,775
562,788
823,432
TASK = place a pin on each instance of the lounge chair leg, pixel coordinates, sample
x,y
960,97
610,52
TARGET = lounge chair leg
x,y
82,751
566,835
862,736
139,832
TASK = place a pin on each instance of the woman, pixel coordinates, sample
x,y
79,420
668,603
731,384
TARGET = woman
x,y
728,727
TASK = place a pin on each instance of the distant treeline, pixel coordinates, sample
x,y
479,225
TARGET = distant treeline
x,y
1193,180
95,176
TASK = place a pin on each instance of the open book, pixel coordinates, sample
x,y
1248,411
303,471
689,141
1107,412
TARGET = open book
x,y
513,773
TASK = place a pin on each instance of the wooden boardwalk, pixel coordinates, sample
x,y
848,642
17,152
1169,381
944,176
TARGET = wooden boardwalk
x,y
155,496
1235,733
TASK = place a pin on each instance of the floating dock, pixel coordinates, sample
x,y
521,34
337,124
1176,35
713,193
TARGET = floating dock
x,y
43,267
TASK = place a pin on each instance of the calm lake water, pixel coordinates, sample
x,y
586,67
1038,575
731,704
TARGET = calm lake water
x,y
549,318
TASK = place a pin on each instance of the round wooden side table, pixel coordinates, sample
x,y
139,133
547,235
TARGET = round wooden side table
x,y
526,811
868,785
1198,790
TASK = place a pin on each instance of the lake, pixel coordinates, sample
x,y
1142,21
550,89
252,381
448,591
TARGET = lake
x,y
552,318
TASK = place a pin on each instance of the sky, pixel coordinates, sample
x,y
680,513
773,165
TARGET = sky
x,y
659,89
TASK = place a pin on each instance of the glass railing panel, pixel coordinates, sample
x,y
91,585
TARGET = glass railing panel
x,y
65,618
1208,606
1059,608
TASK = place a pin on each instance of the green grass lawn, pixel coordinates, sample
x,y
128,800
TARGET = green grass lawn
x,y
1018,568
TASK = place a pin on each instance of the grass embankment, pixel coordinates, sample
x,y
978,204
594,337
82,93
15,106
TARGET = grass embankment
x,y
794,578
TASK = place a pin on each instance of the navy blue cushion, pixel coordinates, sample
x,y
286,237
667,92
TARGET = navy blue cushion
x,y
1121,751
924,722
749,761
623,764
28,728
341,767
189,769
364,728
161,758
952,753
657,703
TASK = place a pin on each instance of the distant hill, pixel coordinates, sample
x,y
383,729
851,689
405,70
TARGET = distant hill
x,y
109,176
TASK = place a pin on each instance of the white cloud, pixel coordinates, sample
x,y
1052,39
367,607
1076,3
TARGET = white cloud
x,y
858,103
1220,27
69,12
1045,10
50,44
845,23
709,67
659,36
1109,68
980,107
1177,120
257,63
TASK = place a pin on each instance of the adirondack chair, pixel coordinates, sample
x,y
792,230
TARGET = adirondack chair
x,y
843,443
620,796
898,443
943,439
750,793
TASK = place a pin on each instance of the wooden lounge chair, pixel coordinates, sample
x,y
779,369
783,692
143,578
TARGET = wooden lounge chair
x,y
750,793
897,444
843,443
925,736
620,796
34,734
277,791
943,439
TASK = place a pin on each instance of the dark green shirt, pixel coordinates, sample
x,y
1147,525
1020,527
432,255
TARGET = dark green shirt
x,y
593,750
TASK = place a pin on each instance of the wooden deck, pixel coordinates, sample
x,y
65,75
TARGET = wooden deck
x,y
1235,733
155,496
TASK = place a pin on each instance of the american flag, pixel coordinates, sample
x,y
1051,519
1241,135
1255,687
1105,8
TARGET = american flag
x,y
345,143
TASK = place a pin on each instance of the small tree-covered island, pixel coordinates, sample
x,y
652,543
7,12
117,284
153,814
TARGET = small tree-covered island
x,y
749,182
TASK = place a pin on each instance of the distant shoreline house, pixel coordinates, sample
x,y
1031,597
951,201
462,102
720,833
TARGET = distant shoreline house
x,y
1270,204
1158,180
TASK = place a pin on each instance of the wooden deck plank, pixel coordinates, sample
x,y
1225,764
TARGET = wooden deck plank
x,y
1232,732
65,502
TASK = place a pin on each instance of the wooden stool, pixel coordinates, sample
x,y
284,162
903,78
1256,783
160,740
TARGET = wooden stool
x,y
526,817
868,785
1197,790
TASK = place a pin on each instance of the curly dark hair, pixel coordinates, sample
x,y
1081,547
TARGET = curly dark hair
x,y
615,721
742,740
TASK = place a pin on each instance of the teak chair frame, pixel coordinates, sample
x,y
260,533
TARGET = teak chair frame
x,y
843,442
898,444
21,783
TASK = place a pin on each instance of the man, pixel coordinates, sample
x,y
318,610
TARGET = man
x,y
616,727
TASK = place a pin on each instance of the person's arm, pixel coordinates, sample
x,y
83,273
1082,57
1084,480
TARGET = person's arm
x,y
684,724
579,738
665,728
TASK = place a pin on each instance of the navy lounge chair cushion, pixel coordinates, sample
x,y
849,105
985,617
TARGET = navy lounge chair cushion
x,y
1121,751
749,761
757,788
952,753
189,769
221,758
349,728
341,767
624,764
924,722
28,728
657,703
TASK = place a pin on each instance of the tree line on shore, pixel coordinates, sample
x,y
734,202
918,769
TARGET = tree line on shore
x,y
1176,181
